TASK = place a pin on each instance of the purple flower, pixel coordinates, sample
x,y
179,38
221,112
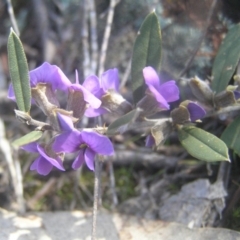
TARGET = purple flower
x,y
163,93
150,141
87,143
88,97
99,87
46,73
44,163
196,112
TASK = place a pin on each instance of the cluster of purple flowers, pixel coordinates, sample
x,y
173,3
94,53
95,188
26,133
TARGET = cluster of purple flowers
x,y
94,97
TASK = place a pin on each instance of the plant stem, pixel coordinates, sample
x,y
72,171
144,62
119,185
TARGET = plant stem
x,y
97,180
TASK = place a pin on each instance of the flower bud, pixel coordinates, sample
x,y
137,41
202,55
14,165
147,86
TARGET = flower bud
x,y
224,99
115,103
180,115
76,103
201,90
44,98
161,132
149,106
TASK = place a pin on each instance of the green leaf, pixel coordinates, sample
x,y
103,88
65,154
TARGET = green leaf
x,y
146,52
231,135
120,125
19,72
226,60
28,138
203,145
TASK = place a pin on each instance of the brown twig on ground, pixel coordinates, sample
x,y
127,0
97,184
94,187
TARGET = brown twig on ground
x,y
47,187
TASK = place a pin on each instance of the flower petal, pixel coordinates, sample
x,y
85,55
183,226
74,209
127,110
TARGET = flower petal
x,y
67,142
91,112
196,112
65,122
160,99
44,167
79,160
236,94
11,94
34,165
151,77
150,141
169,90
88,97
110,80
55,162
89,156
51,74
92,84
31,147
97,142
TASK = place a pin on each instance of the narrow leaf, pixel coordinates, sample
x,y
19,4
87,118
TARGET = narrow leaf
x,y
19,72
28,138
120,125
231,135
203,145
226,60
146,52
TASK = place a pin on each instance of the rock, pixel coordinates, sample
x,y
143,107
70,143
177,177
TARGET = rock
x,y
76,225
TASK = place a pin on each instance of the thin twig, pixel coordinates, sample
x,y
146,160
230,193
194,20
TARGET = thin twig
x,y
190,60
12,17
94,43
126,74
98,167
112,184
106,37
47,187
14,168
85,43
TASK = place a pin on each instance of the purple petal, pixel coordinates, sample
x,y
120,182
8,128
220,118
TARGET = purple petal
x,y
79,160
67,142
31,147
110,80
91,112
236,94
88,97
196,111
149,141
11,94
169,91
97,142
52,74
65,122
34,165
91,83
151,77
43,166
55,162
89,156
160,99
76,75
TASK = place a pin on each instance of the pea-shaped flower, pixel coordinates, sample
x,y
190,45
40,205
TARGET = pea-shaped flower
x,y
157,95
87,143
106,88
44,163
46,74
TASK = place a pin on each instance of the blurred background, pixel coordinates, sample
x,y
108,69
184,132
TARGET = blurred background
x,y
70,33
